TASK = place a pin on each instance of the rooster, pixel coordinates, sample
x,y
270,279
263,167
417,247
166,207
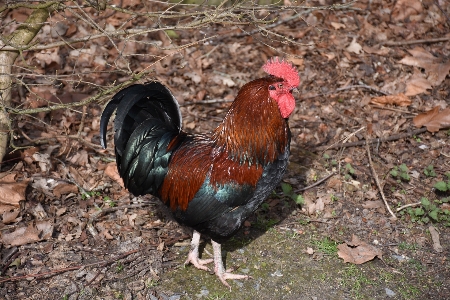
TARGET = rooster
x,y
212,183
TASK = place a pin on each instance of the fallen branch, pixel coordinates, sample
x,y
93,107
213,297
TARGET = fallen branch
x,y
408,205
375,176
52,272
414,42
316,183
90,224
373,141
363,86
212,101
392,109
436,2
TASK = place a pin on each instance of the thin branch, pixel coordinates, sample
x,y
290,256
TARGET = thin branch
x,y
368,87
436,2
376,106
375,176
83,117
414,42
28,5
131,32
316,183
212,101
101,94
376,140
306,11
408,205
52,272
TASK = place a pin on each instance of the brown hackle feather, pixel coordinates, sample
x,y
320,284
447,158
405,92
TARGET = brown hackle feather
x,y
253,130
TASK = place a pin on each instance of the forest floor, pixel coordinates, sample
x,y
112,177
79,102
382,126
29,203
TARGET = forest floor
x,y
370,72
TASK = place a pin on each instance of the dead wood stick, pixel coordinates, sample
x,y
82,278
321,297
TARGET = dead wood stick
x,y
408,205
413,42
316,183
375,176
373,141
363,86
37,275
212,101
11,256
393,109
436,2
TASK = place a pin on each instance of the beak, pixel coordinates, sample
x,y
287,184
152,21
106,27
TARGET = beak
x,y
295,90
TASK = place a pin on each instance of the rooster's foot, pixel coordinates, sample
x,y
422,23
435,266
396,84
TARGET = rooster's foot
x,y
193,254
220,271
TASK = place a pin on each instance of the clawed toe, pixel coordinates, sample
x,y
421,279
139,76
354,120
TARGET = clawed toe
x,y
223,277
193,254
197,262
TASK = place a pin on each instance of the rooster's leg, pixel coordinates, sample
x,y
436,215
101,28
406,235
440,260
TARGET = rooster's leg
x,y
219,268
193,254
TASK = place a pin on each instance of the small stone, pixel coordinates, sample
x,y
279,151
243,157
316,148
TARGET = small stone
x,y
389,292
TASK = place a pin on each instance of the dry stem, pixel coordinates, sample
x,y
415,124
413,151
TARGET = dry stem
x,y
375,176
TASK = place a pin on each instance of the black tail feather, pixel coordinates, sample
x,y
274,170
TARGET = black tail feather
x,y
135,104
147,119
106,115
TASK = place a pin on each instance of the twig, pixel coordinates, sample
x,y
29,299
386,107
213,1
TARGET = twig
x,y
363,86
38,275
212,101
83,117
307,11
407,205
427,41
10,257
392,109
45,140
316,183
101,94
376,140
100,212
375,176
436,2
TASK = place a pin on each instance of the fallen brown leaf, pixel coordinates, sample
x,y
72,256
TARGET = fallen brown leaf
x,y
354,47
111,172
12,192
42,230
434,67
399,99
433,119
405,8
64,188
357,251
4,208
10,216
383,51
417,84
373,204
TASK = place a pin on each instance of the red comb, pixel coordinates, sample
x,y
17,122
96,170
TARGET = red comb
x,y
282,69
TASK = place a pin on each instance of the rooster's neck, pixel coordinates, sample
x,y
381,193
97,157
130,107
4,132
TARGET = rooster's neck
x,y
253,131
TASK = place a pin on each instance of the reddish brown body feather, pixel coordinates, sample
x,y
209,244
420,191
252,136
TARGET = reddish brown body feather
x,y
252,134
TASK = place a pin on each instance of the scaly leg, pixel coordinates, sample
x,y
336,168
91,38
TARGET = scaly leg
x,y
193,254
220,270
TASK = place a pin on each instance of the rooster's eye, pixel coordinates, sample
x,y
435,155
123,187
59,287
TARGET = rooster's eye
x,y
271,87
280,86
